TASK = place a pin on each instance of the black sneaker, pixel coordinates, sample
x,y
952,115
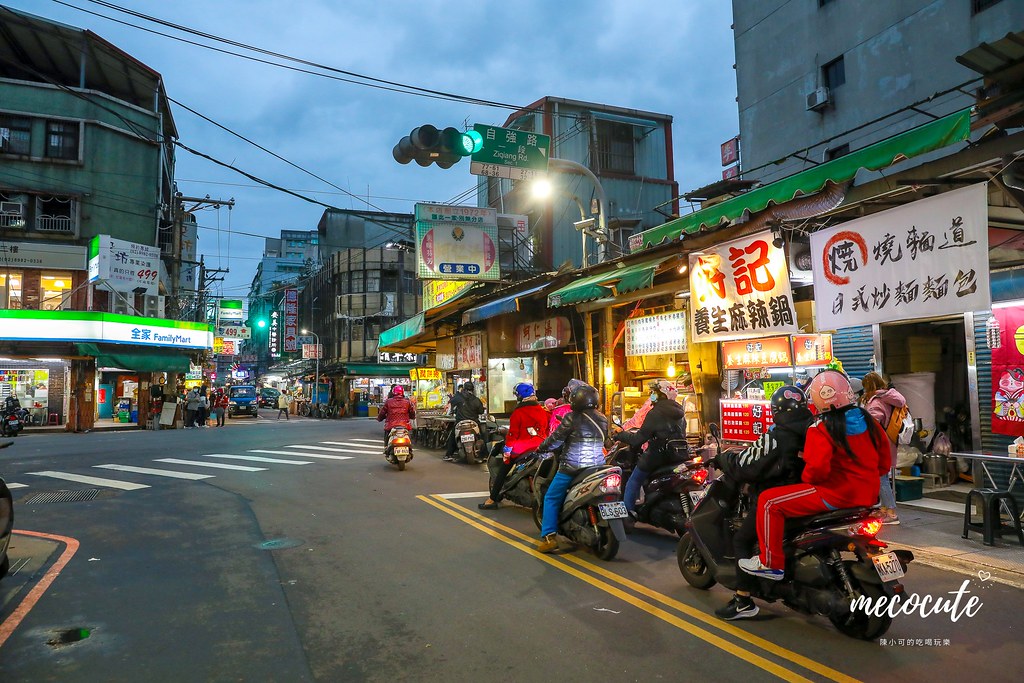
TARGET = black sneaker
x,y
448,458
740,607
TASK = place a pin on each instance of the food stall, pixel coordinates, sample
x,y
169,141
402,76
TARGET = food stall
x,y
427,388
755,368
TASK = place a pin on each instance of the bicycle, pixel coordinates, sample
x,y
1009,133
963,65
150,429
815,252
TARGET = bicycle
x,y
304,409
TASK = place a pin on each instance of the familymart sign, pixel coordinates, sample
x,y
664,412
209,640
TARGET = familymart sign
x,y
90,326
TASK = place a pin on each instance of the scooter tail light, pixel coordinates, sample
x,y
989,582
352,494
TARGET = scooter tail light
x,y
868,527
612,482
402,440
699,476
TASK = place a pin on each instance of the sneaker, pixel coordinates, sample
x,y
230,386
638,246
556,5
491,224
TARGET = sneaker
x,y
548,544
740,607
754,567
448,458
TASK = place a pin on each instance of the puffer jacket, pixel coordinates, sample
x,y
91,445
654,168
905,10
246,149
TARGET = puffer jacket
x,y
842,481
396,411
528,425
557,414
583,435
881,406
467,406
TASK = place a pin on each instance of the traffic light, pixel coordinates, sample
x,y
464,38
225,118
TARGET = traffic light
x,y
427,145
258,321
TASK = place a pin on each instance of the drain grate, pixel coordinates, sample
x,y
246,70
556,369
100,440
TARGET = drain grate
x,y
62,496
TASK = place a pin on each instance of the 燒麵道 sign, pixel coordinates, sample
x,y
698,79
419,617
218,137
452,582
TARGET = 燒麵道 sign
x,y
740,289
925,259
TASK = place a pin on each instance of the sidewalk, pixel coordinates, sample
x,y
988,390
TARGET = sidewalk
x,y
936,540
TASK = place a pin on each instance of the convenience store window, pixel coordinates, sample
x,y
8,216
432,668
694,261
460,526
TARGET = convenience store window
x,y
54,286
11,283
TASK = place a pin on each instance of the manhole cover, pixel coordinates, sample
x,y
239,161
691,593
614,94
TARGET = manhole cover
x,y
279,544
62,496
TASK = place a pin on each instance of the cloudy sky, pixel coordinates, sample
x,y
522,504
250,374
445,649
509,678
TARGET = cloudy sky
x,y
667,56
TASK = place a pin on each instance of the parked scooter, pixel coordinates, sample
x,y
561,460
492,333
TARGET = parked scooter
x,y
10,420
6,522
593,510
832,559
472,437
670,493
399,448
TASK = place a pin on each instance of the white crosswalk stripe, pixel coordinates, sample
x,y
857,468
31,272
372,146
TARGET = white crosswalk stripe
x,y
95,481
364,446
160,473
362,451
322,456
14,485
216,465
256,458
364,440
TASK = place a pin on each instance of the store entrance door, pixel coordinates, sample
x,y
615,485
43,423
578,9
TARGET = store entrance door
x,y
927,362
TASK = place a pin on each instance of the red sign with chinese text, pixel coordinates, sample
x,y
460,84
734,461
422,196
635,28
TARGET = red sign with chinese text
x,y
770,352
745,420
812,349
730,151
543,334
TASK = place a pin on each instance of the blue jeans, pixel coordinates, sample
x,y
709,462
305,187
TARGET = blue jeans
x,y
633,484
886,498
553,500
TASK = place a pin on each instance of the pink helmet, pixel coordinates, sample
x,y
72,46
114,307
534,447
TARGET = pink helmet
x,y
830,390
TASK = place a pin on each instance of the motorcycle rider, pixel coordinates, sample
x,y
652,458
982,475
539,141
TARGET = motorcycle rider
x,y
664,421
772,460
582,431
465,406
562,408
845,455
396,411
528,427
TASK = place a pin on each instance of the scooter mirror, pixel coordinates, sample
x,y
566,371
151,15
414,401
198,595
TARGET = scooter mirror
x,y
714,430
617,420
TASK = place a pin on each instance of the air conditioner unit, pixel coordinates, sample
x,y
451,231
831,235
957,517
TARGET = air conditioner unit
x,y
118,304
818,99
154,306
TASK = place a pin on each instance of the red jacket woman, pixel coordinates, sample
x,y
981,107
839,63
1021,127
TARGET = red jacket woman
x,y
528,426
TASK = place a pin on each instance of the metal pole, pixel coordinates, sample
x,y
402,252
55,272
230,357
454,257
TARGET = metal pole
x,y
588,340
316,379
567,166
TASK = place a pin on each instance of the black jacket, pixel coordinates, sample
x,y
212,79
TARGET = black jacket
x,y
466,406
774,459
665,421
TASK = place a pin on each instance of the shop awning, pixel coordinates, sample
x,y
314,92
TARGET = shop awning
x,y
156,361
403,330
377,370
506,304
619,281
929,137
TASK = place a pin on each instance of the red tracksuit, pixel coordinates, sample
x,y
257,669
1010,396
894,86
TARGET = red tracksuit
x,y
832,480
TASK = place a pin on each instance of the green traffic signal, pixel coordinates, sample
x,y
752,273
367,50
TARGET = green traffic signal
x,y
261,322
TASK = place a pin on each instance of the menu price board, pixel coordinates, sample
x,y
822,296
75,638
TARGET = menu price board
x,y
656,334
745,420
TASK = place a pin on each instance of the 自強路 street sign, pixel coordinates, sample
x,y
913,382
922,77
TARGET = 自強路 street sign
x,y
509,153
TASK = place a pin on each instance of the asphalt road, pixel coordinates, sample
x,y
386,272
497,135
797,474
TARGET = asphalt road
x,y
379,575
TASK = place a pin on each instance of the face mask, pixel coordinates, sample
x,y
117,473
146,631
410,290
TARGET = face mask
x,y
654,397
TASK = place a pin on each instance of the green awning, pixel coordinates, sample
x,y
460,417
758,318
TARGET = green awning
x,y
377,369
916,141
403,330
155,361
611,282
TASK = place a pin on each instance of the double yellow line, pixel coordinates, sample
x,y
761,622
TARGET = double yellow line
x,y
655,602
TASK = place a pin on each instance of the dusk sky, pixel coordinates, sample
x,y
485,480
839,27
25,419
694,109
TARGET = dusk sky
x,y
669,56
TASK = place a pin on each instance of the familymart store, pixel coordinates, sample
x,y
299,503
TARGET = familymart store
x,y
145,356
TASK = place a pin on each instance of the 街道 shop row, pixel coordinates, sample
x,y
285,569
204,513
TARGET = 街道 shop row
x,y
916,274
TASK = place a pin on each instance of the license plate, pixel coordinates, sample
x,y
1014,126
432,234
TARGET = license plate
x,y
466,438
888,567
402,457
696,496
612,510
401,450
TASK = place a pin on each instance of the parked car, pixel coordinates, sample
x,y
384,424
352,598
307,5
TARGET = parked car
x,y
268,397
242,400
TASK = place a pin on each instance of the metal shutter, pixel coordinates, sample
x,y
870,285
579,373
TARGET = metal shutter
x,y
854,346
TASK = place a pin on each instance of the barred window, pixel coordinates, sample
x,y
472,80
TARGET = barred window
x,y
616,148
15,135
61,140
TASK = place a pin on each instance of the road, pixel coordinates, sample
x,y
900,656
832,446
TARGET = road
x,y
323,563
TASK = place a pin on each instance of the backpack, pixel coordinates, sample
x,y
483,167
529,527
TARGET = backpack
x,y
900,429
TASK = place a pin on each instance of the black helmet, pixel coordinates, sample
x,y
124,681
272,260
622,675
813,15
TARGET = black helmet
x,y
467,386
583,397
786,401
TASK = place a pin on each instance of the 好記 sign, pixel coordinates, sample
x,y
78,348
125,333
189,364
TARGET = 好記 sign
x,y
740,289
656,334
924,259
456,243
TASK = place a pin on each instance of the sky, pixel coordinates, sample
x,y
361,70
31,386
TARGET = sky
x,y
667,56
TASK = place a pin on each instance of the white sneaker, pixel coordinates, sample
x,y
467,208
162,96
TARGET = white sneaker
x,y
754,567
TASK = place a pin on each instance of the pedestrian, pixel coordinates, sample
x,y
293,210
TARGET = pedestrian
x,y
283,401
202,415
220,405
880,401
191,406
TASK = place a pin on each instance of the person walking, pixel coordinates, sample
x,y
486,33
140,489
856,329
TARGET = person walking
x,y
191,406
283,402
220,405
881,401
203,413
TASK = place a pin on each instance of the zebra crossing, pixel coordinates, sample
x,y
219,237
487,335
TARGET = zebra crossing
x,y
252,461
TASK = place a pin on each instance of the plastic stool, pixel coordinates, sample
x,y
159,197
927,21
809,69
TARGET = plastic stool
x,y
991,524
998,528
52,420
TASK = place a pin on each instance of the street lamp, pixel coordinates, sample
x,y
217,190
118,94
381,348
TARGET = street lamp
x,y
316,378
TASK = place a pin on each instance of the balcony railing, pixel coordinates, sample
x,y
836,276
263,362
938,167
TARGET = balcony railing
x,y
63,224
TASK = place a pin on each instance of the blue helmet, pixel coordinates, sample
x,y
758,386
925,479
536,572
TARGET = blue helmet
x,y
523,390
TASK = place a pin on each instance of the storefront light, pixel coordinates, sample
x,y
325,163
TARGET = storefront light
x,y
609,373
670,371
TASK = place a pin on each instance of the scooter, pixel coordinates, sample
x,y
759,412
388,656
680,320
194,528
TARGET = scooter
x,y
832,560
471,440
399,448
10,424
520,483
6,522
593,510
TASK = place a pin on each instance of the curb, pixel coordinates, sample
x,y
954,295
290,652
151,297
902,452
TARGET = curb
x,y
964,567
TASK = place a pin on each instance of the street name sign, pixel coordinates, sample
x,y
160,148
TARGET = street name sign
x,y
509,153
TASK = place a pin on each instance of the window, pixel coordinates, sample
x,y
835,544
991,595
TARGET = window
x,y
15,135
342,333
373,281
54,286
357,332
615,147
11,282
982,5
834,73
836,152
409,283
357,282
14,209
61,140
55,214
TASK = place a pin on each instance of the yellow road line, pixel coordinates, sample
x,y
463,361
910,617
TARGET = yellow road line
x,y
717,641
741,634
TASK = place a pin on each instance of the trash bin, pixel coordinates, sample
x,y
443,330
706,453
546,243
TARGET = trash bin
x,y
362,409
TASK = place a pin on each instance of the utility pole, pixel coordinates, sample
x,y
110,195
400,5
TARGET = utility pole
x,y
206,278
176,245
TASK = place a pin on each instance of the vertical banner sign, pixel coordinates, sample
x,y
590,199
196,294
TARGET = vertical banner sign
x,y
291,319
925,259
457,243
745,420
274,335
469,352
739,290
1008,372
